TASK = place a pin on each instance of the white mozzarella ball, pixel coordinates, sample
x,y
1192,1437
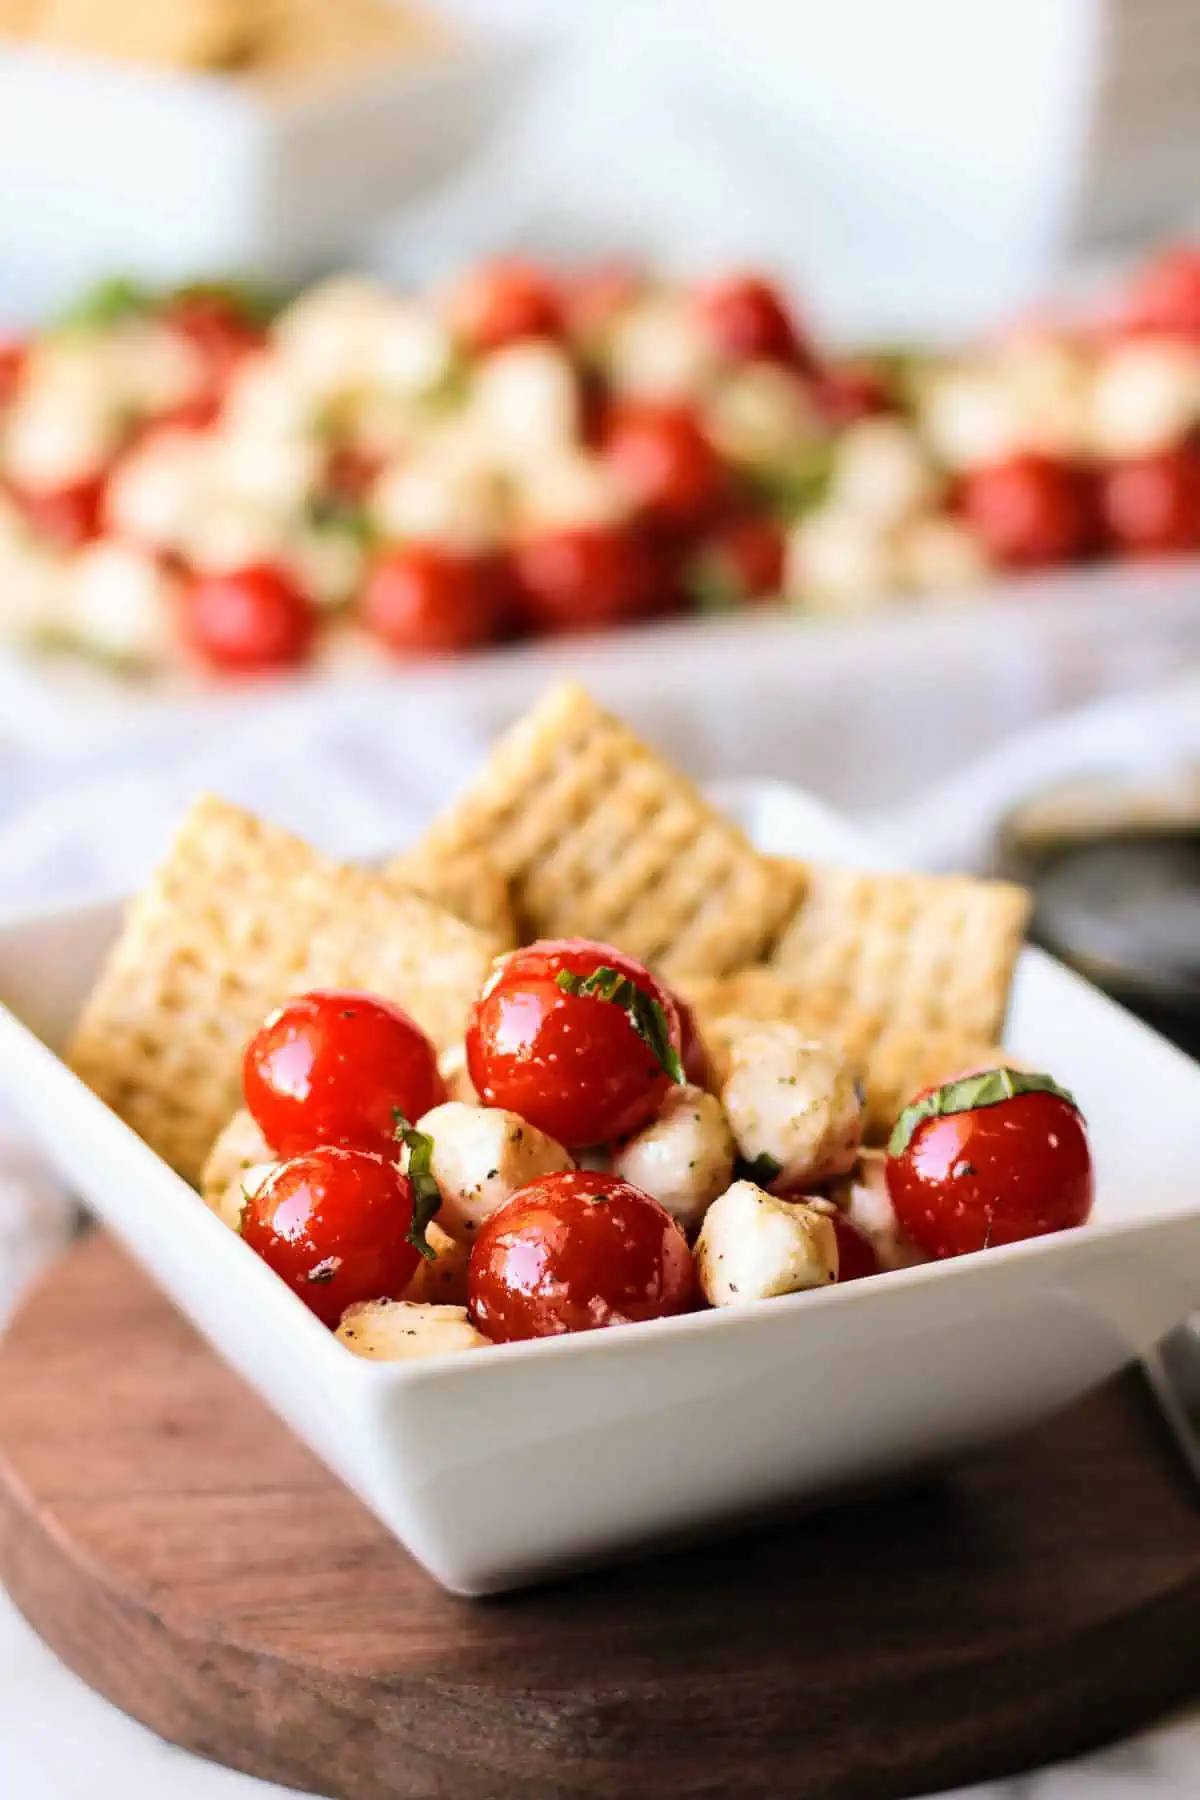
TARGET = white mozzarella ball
x,y
265,404
325,339
754,1246
442,1279
230,532
659,349
155,367
442,498
795,1102
481,1156
838,562
863,1196
410,347
524,404
402,1330
66,420
940,555
118,603
326,563
572,488
452,1067
276,473
32,580
1145,398
970,417
157,488
761,414
882,473
229,1203
1049,382
683,1158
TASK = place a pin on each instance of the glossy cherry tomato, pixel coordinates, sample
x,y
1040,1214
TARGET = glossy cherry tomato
x,y
215,327
737,562
13,352
427,601
851,390
667,465
856,1252
1165,297
573,1064
504,302
1151,504
577,1252
746,318
693,1051
249,620
334,1067
583,578
993,1174
1031,512
337,1226
595,297
66,516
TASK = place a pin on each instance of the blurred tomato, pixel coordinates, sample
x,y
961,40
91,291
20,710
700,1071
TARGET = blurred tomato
x,y
1151,504
666,464
425,600
504,302
584,578
747,319
1165,296
1031,512
740,560
66,516
247,621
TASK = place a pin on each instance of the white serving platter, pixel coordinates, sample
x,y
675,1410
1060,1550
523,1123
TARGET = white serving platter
x,y
506,1466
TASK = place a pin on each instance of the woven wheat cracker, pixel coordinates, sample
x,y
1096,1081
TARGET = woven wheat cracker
x,y
893,1058
929,953
239,917
599,837
467,884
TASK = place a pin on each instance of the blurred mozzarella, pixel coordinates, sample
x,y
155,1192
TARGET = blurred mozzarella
x,y
327,563
839,562
411,347
1145,397
230,532
350,334
117,603
1049,382
155,368
265,404
658,349
524,404
753,1246
277,473
402,1331
31,578
441,1280
940,555
684,1157
760,414
157,487
795,1102
569,489
970,417
443,496
863,1196
882,473
481,1156
67,418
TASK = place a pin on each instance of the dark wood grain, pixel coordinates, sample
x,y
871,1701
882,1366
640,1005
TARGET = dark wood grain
x,y
181,1551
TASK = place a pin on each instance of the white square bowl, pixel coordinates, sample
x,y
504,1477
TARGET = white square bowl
x,y
510,1465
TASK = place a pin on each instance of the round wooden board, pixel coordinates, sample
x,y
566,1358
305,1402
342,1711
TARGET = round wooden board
x,y
182,1552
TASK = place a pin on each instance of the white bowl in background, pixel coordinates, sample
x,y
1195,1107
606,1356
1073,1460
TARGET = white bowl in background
x,y
507,1466
109,168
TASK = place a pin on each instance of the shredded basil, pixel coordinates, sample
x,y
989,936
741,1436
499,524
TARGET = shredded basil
x,y
426,1196
763,1170
642,1010
989,1088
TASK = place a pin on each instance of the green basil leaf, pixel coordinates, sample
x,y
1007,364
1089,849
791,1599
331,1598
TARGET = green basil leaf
x,y
991,1087
426,1195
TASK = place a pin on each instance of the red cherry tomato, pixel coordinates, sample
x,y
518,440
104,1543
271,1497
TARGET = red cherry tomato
x,y
856,1252
577,1252
572,1064
248,621
213,325
66,516
671,471
334,1067
746,318
848,391
13,352
337,1226
1151,504
739,561
584,578
351,472
992,1175
504,302
1165,297
423,600
693,1051
594,298
1031,512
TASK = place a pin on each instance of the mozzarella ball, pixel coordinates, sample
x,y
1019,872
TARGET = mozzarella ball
x,y
157,488
572,488
327,563
402,1331
230,532
324,340
882,473
442,1280
838,562
524,404
796,1102
277,473
753,1246
32,578
684,1157
410,347
1145,397
441,497
452,1067
659,349
1049,382
241,1146
117,603
481,1156
155,367
760,414
264,404
67,418
970,417
863,1196
940,555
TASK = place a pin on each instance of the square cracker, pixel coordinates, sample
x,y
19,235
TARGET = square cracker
x,y
599,837
894,1058
240,916
922,953
467,883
